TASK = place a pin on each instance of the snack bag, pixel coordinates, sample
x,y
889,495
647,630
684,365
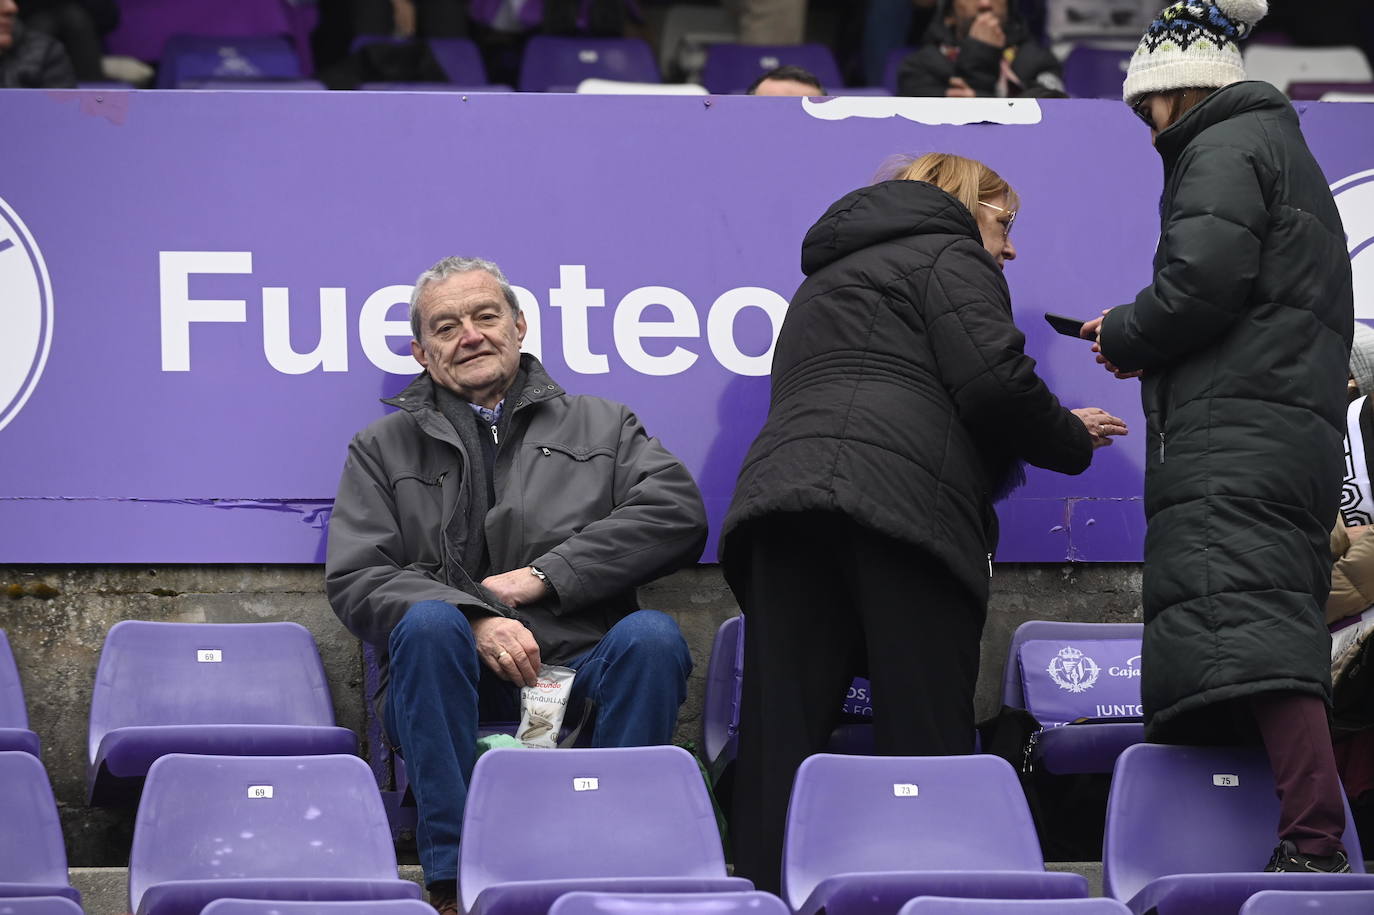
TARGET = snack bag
x,y
542,707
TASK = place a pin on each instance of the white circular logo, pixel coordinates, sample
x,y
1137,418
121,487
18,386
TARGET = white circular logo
x,y
1355,199
25,314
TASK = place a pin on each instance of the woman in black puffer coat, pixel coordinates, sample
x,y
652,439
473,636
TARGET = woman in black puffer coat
x,y
1243,339
862,530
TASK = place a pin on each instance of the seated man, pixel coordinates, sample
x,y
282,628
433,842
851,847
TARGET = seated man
x,y
495,523
787,80
29,59
979,48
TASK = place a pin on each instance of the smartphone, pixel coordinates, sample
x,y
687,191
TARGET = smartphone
x,y
1067,326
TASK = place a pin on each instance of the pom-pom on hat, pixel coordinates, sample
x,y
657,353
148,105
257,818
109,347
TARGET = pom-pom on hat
x,y
1192,44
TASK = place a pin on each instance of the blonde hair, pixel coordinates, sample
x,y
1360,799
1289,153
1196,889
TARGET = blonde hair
x,y
967,180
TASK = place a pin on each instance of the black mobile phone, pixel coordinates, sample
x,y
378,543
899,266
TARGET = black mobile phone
x,y
1067,326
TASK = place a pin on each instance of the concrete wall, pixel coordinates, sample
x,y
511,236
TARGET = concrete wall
x,y
56,618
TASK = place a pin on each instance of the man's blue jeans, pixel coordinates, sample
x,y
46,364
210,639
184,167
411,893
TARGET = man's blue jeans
x,y
636,675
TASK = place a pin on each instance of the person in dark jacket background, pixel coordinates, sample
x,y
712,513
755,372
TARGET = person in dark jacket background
x,y
30,59
1242,339
861,534
980,48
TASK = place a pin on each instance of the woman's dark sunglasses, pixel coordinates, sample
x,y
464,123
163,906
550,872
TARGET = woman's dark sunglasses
x,y
1142,111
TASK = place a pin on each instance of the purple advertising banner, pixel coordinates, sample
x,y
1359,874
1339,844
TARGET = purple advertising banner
x,y
202,295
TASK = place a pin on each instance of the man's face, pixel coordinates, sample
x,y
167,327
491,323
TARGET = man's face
x,y
963,12
9,11
785,87
469,341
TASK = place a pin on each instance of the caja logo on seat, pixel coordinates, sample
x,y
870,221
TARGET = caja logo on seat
x,y
1355,199
25,314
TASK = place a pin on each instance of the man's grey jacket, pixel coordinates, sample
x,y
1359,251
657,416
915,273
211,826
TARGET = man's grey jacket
x,y
581,491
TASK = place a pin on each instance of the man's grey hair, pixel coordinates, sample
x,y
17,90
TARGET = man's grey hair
x,y
447,268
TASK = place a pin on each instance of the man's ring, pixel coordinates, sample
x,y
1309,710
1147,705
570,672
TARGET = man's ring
x,y
503,654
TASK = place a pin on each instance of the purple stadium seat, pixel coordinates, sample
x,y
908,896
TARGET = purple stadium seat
x,y
14,716
1316,91
746,903
146,25
457,57
278,907
732,67
720,717
249,689
1079,748
1091,72
950,905
1285,902
868,834
555,61
633,820
893,66
33,860
186,58
1189,830
253,85
39,905
260,827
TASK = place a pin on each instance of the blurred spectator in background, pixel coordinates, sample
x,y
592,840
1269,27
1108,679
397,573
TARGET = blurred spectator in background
x,y
787,80
78,25
887,27
770,21
30,59
980,48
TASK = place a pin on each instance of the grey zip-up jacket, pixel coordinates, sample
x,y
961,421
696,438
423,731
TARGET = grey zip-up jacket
x,y
582,492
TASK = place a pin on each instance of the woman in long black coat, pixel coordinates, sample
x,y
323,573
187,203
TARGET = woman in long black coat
x,y
1243,338
862,530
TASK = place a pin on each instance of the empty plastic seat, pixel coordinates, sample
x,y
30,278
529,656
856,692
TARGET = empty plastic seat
x,y
630,820
1332,92
1095,72
1102,682
745,903
39,905
720,716
1281,65
188,58
950,905
146,25
253,85
734,67
867,834
1285,902
260,827
14,715
1190,828
253,689
33,860
551,61
278,907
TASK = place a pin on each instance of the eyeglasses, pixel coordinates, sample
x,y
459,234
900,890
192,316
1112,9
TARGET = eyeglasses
x,y
1011,218
1142,110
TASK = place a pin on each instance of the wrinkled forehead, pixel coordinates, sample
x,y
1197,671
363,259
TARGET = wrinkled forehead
x,y
461,295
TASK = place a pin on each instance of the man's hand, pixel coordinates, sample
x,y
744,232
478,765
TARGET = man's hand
x,y
958,88
1100,424
517,587
987,28
507,648
1092,330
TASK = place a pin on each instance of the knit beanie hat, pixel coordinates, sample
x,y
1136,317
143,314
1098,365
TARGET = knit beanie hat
x,y
1192,44
1362,358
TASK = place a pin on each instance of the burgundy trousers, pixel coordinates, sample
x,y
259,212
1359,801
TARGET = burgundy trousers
x,y
1296,736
